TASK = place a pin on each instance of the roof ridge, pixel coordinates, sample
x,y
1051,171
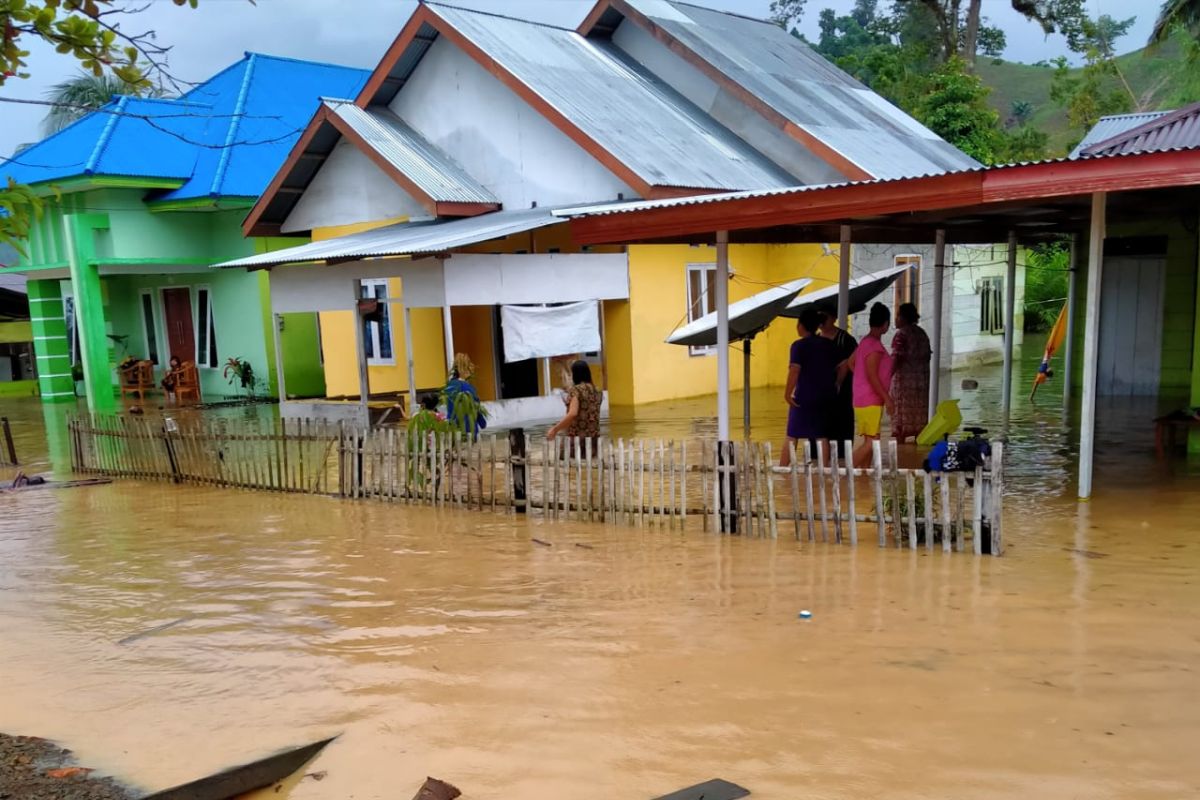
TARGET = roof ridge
x,y
273,57
239,110
435,4
105,135
1125,137
722,11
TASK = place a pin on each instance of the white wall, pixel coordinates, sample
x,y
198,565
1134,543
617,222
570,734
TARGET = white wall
x,y
723,106
498,138
973,263
350,188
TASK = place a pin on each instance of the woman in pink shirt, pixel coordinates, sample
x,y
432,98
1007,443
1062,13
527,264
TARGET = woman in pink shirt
x,y
872,377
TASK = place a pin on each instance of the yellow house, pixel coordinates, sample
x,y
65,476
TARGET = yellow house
x,y
431,197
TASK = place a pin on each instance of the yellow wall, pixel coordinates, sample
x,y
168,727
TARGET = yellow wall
x,y
472,328
646,369
338,338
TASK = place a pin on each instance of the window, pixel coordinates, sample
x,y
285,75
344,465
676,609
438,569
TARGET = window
x,y
377,336
206,342
907,287
148,327
991,304
72,329
701,299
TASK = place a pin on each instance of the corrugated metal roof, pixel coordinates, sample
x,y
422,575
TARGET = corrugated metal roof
x,y
439,176
1111,126
1173,130
406,238
644,124
791,78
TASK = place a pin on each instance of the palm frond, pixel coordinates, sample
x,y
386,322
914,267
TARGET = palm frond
x,y
1174,14
78,96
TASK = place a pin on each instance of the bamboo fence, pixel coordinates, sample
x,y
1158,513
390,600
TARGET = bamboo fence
x,y
638,482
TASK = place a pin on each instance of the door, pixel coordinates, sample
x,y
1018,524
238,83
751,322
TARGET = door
x,y
181,333
518,379
1131,320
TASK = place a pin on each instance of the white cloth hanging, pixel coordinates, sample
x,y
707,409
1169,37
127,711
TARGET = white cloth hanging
x,y
546,331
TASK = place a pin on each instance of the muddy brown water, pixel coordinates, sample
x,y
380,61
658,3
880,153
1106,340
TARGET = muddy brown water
x,y
448,644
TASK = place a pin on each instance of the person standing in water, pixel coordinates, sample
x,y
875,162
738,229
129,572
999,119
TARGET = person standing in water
x,y
582,419
841,423
872,368
911,355
811,392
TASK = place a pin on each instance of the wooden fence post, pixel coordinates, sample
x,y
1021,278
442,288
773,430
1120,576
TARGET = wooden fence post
x,y
168,426
516,450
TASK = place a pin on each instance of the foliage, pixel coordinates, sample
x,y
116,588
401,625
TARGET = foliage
x,y
240,373
1177,15
466,411
1046,279
1020,112
75,98
955,108
19,207
787,13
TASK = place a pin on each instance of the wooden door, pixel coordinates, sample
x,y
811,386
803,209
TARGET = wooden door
x,y
1131,306
181,334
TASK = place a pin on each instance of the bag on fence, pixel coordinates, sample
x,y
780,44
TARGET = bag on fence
x,y
961,456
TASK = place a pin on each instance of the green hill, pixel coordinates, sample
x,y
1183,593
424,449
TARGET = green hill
x,y
1159,79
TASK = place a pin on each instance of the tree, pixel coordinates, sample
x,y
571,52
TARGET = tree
x,y
787,14
89,31
1184,14
77,97
955,108
959,28
1021,111
1099,88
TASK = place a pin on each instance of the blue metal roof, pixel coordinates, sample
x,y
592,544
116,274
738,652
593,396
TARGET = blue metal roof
x,y
224,138
1114,125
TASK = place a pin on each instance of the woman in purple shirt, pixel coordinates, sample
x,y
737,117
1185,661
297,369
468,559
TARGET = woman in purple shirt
x,y
811,391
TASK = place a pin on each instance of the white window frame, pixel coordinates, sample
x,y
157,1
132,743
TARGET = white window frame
x,y
705,269
373,327
209,323
993,285
150,326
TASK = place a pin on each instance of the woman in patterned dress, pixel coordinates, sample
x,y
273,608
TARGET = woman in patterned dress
x,y
910,374
582,419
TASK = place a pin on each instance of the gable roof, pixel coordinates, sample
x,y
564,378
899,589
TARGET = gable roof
x,y
224,138
1112,125
1172,130
855,130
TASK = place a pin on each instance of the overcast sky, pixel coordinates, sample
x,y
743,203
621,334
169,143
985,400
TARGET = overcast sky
x,y
216,34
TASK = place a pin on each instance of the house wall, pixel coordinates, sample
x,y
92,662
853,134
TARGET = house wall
x,y
498,138
973,263
646,369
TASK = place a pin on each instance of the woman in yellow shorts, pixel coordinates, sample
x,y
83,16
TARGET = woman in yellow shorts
x,y
872,376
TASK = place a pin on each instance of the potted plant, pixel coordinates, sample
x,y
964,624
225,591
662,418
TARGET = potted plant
x,y
239,373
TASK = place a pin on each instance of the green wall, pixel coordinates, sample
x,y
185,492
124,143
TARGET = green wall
x,y
300,340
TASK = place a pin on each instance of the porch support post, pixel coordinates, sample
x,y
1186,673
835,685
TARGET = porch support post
x,y
939,279
1069,342
746,387
408,358
844,278
50,343
448,337
89,309
360,345
1010,318
1091,344
721,299
546,390
276,319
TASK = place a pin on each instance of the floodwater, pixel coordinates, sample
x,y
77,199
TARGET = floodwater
x,y
449,644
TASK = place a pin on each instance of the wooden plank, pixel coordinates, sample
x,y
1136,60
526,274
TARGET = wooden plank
x,y
910,492
683,484
961,520
671,472
947,532
808,493
877,481
245,778
587,454
997,499
821,487
928,482
977,512
794,484
641,478
769,474
897,514
851,479
835,476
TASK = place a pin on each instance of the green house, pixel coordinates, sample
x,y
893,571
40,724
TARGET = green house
x,y
141,198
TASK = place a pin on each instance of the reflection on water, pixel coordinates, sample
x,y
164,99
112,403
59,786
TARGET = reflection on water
x,y
447,644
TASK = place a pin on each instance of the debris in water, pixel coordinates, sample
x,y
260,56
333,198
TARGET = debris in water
x,y
716,789
316,776
1085,553
434,789
805,614
541,542
151,631
584,546
970,383
246,778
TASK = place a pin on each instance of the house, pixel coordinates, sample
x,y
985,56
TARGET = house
x,y
1131,200
142,196
431,197
17,364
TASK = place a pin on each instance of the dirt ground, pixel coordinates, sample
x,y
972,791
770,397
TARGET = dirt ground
x,y
36,769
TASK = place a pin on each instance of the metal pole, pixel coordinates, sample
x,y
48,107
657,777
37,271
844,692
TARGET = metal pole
x,y
408,355
1069,343
844,278
364,381
448,337
939,278
276,320
546,390
1010,299
746,387
1091,343
721,299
